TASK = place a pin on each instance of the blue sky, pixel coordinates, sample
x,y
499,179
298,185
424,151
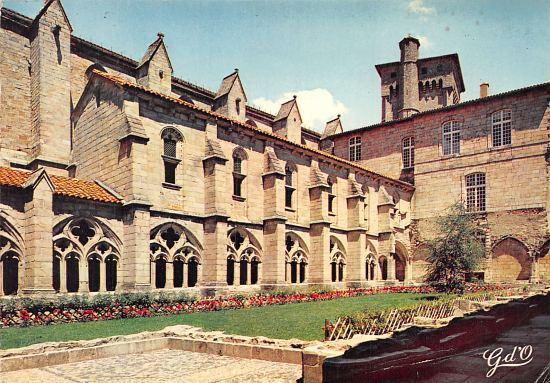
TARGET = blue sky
x,y
323,51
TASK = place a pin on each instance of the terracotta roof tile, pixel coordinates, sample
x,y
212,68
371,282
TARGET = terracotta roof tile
x,y
12,177
126,83
65,186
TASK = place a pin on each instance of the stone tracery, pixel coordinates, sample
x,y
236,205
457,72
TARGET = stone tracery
x,y
172,249
86,256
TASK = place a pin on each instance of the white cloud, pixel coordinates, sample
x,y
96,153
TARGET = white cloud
x,y
417,6
424,42
317,106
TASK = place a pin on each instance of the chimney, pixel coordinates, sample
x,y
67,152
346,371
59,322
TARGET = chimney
x,y
483,89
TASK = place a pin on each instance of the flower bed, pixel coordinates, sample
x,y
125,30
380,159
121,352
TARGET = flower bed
x,y
27,312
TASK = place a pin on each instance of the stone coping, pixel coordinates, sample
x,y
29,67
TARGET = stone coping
x,y
185,338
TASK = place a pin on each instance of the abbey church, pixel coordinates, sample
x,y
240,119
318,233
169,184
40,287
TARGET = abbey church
x,y
117,176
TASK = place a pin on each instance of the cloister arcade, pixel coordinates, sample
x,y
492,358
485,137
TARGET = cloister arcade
x,y
296,259
175,255
243,258
86,256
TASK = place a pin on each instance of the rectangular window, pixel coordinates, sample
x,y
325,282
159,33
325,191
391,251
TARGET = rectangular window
x,y
451,138
288,196
169,172
238,184
475,192
355,149
408,152
502,127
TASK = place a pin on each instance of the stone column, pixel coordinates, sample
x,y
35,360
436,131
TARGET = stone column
x,y
38,273
103,276
136,274
153,274
62,275
83,275
169,275
391,267
237,274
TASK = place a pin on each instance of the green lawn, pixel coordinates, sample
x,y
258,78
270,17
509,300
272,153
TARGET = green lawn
x,y
300,320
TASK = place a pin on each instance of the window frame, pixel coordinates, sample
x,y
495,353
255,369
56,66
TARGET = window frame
x,y
354,148
239,175
476,192
451,139
407,152
290,174
504,132
332,200
170,156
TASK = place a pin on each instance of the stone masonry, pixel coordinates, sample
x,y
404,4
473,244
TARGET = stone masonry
x,y
115,175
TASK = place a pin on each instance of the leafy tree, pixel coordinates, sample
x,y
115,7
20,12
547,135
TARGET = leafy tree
x,y
455,251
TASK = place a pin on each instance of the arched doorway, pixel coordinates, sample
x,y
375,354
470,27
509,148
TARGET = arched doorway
x,y
510,261
399,268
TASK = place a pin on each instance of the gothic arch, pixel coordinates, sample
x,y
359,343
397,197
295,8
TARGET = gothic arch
x,y
11,257
172,240
510,261
243,250
176,256
296,258
337,260
242,244
82,247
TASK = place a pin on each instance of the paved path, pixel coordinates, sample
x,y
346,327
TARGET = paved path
x,y
161,366
470,367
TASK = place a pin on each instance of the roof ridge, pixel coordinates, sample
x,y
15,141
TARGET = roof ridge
x,y
124,82
447,108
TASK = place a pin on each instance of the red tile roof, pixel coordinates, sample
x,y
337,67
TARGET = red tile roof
x,y
64,186
126,83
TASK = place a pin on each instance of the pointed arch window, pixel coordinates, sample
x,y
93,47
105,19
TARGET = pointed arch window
x,y
171,156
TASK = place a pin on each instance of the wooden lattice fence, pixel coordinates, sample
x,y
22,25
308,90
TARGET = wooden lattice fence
x,y
391,320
